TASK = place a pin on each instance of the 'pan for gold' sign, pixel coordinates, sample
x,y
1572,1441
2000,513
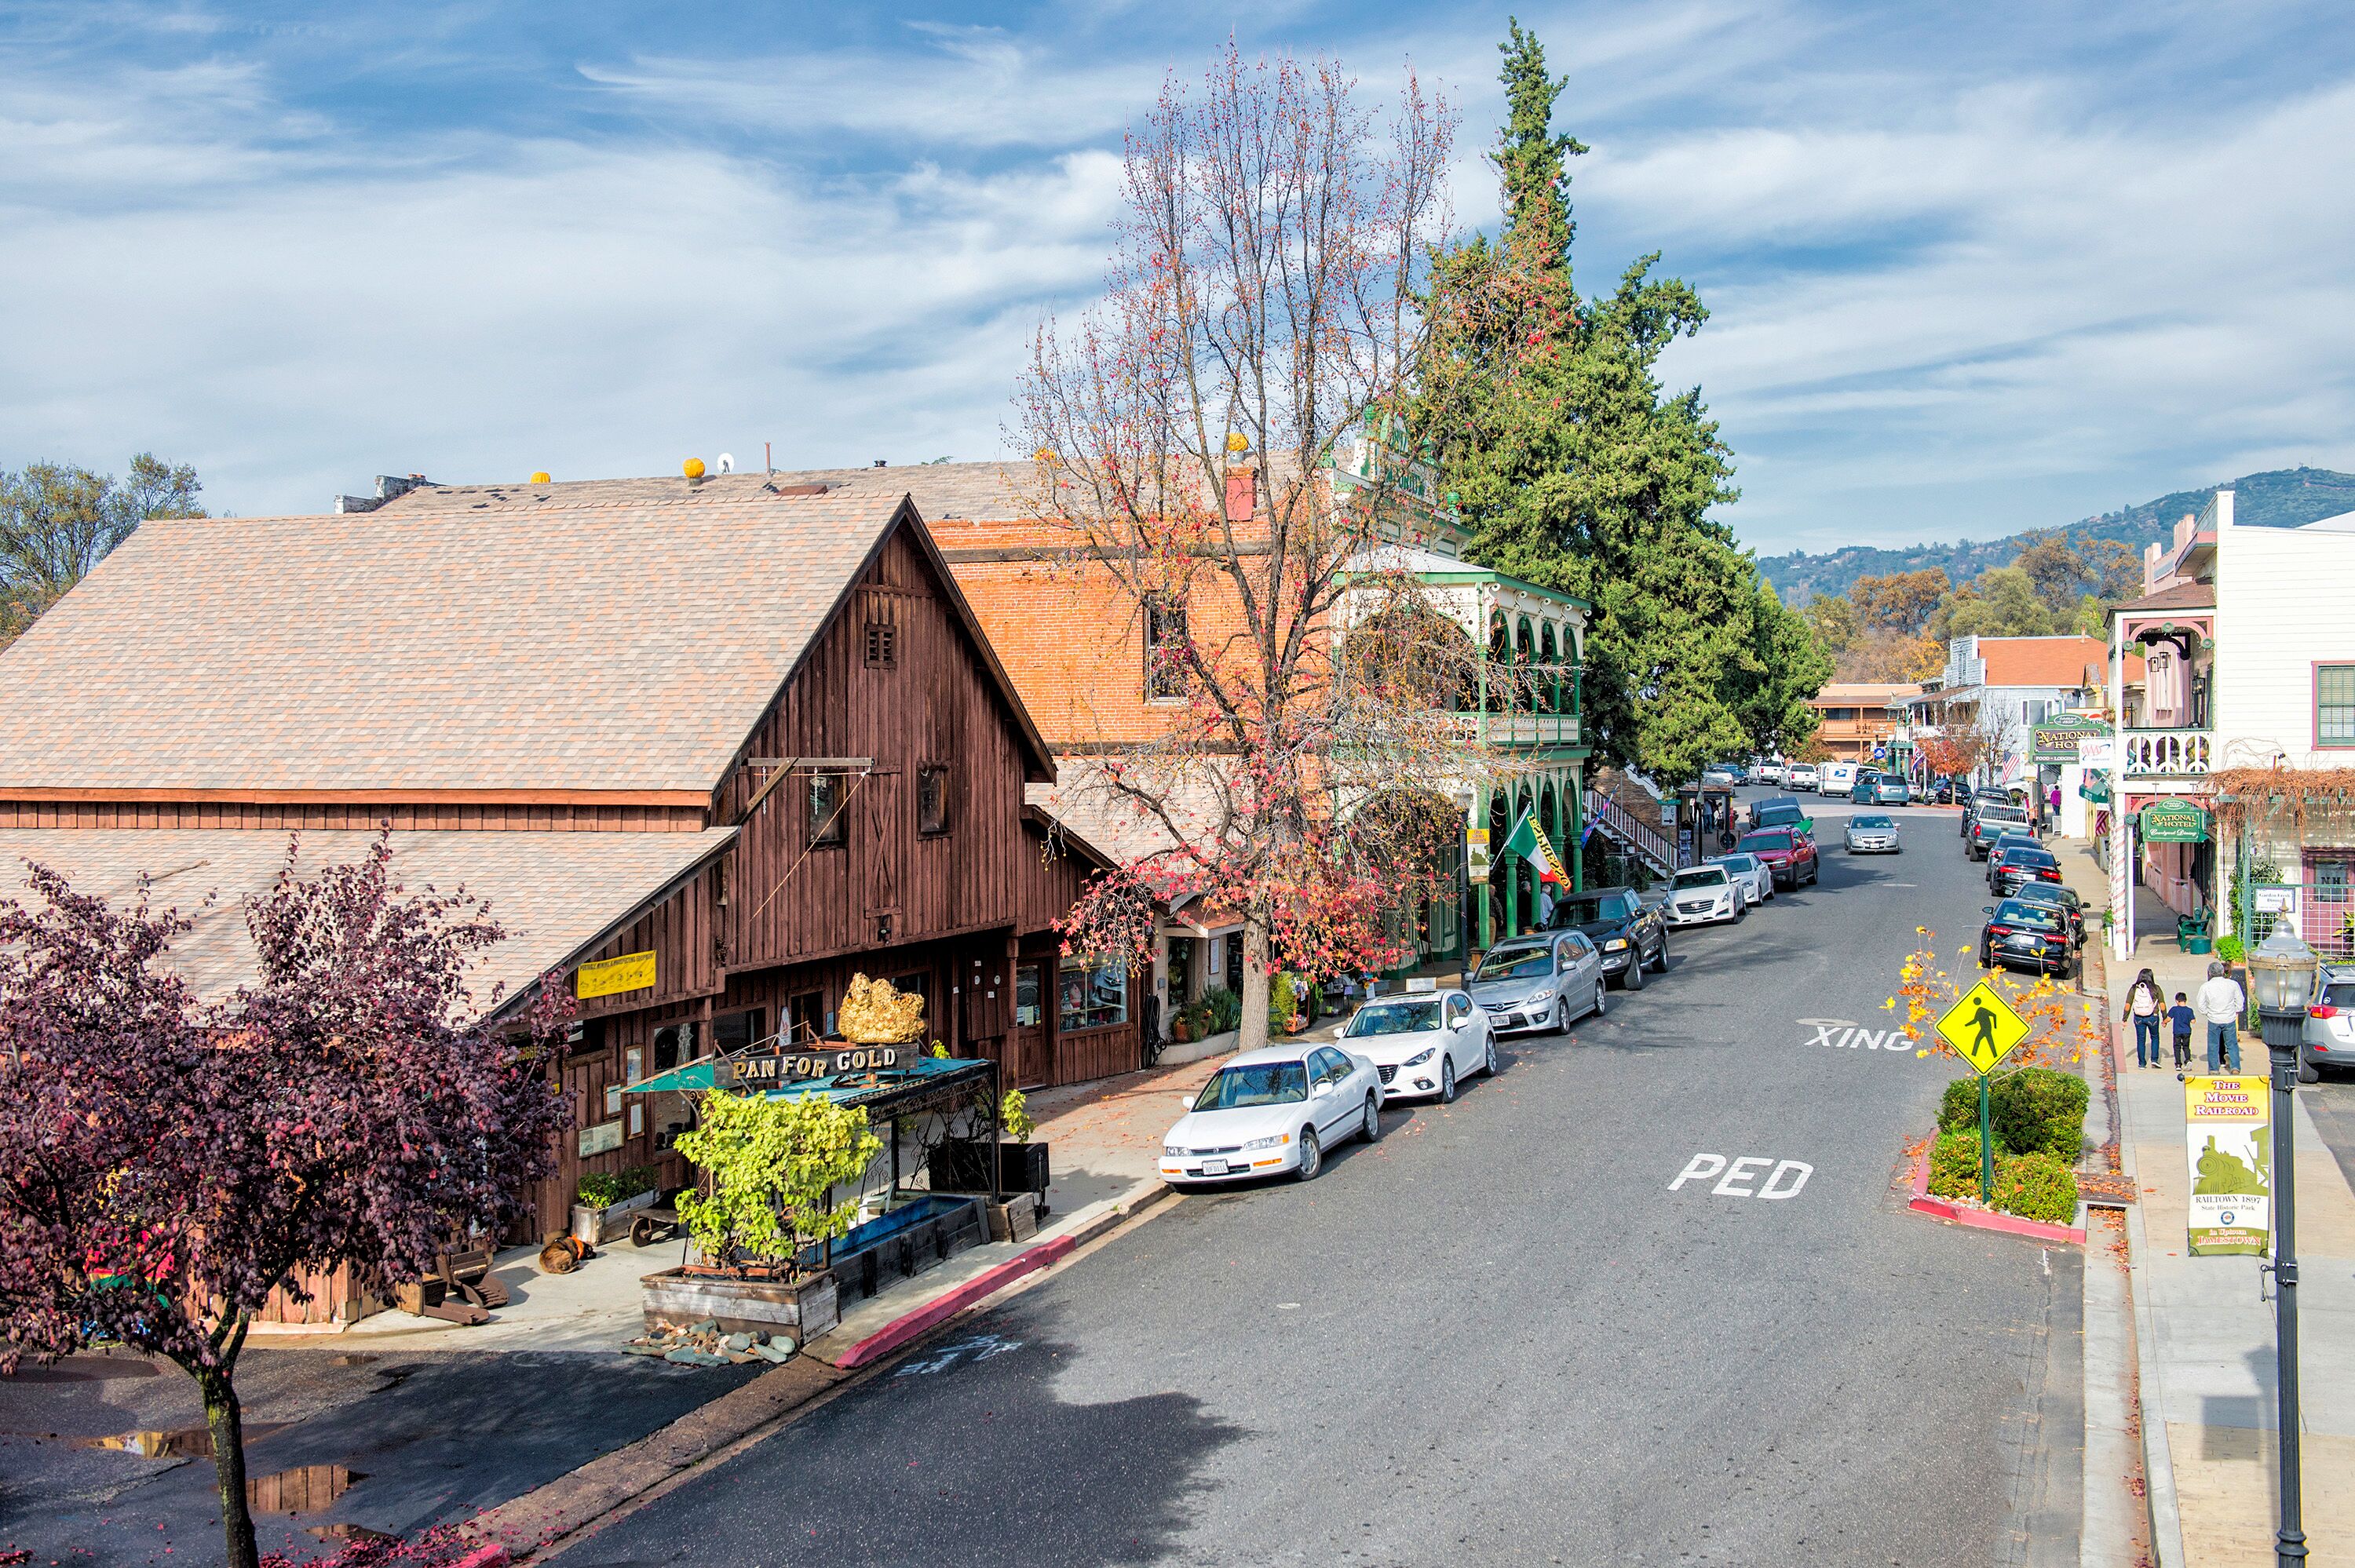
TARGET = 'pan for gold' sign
x,y
609,977
770,1067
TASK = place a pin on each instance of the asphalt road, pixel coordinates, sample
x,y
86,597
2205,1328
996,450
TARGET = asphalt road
x,y
1505,1334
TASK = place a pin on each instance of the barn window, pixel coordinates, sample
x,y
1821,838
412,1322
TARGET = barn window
x,y
826,824
932,799
882,645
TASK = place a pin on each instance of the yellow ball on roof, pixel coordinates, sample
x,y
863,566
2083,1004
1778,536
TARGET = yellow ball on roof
x,y
540,477
693,468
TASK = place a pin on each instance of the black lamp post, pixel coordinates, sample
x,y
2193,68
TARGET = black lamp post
x,y
2281,972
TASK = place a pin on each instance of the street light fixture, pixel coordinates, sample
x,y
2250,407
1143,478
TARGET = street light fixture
x,y
2281,973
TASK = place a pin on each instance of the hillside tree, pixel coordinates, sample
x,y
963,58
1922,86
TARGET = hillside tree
x,y
57,521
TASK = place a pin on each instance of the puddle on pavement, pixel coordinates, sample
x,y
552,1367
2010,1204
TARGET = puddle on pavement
x,y
348,1532
181,1443
307,1488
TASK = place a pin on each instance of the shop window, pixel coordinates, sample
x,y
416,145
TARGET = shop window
x,y
805,1015
1165,648
1092,995
1181,970
2334,705
882,645
738,1032
932,799
826,818
674,1044
1029,1007
2330,881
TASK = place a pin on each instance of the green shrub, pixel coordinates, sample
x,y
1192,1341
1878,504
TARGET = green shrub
x,y
1282,1002
1959,1111
1955,1164
2038,1109
773,1167
1223,1009
1014,1115
2036,1186
603,1189
2231,949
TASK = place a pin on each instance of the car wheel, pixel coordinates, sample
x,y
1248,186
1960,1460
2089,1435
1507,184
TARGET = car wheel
x,y
1488,1057
1373,1127
1987,958
1815,870
1600,1004
1741,910
1633,978
2308,1073
1312,1158
1447,1080
1561,1020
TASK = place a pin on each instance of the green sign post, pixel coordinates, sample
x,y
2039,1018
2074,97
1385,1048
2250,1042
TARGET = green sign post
x,y
1983,1029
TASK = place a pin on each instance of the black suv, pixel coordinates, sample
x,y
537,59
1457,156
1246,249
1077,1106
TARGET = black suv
x,y
1630,933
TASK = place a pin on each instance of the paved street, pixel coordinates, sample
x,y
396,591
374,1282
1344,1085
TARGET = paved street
x,y
1499,1335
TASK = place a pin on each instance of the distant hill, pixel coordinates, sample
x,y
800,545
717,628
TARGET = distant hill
x,y
2284,498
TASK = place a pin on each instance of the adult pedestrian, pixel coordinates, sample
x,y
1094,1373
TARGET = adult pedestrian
x,y
2222,1003
2142,1009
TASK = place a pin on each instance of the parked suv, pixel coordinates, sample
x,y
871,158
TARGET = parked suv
x,y
1989,824
2330,1019
1790,852
1630,933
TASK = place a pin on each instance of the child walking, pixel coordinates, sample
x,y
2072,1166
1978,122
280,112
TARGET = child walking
x,y
2181,1018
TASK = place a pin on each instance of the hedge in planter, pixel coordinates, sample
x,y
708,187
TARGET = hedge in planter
x,y
2035,1185
2035,1108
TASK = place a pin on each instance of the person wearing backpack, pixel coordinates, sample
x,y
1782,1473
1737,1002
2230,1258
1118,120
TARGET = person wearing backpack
x,y
2144,1009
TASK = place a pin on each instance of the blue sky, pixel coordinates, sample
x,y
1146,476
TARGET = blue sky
x,y
1973,267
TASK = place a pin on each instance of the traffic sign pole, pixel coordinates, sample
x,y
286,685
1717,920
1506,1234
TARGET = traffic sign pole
x,y
1987,1149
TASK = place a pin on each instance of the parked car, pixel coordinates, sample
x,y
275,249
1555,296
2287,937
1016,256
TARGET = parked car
x,y
1705,895
1989,824
1870,833
2062,898
2020,932
1770,771
1755,876
1547,980
1424,1043
1835,777
1776,812
2012,864
1630,933
1801,776
1891,789
1942,792
1976,799
2330,1018
1788,853
1271,1113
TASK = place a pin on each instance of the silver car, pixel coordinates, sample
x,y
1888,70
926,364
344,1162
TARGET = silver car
x,y
1871,833
1755,876
1548,980
2330,1019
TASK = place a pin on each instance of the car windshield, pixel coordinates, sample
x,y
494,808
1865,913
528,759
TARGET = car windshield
x,y
1766,842
1703,876
2048,893
1586,911
1871,823
1738,863
2019,912
1259,1083
1395,1018
1515,963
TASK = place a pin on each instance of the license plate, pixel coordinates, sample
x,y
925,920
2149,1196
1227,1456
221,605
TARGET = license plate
x,y
2019,941
1214,1167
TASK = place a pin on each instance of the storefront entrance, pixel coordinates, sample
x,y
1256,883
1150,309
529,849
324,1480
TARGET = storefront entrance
x,y
1033,1051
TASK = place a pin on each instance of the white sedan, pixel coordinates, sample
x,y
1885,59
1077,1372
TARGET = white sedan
x,y
1423,1044
1705,895
1273,1113
1752,875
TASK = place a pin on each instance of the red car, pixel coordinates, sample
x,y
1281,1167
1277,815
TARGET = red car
x,y
1787,852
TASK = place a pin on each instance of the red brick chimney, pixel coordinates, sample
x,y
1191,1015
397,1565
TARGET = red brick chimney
x,y
1243,494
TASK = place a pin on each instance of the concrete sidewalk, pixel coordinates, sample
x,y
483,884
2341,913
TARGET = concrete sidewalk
x,y
2204,1337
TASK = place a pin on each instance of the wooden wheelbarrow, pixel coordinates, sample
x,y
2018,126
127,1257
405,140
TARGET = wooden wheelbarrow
x,y
461,1291
651,1225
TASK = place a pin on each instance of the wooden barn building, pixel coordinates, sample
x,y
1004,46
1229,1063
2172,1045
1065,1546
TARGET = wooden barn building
x,y
709,749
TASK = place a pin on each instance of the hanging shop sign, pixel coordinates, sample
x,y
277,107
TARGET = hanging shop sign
x,y
2096,751
2273,897
2225,1123
2172,823
2062,740
609,977
765,1068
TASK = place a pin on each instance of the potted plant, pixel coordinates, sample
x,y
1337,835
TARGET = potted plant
x,y
605,1200
770,1170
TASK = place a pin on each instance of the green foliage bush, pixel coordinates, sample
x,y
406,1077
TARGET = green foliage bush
x,y
603,1189
2035,1109
773,1164
1282,1002
2231,949
1014,1115
2036,1186
1954,1163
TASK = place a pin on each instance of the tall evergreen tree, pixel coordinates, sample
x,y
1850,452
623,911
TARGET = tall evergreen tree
x,y
1577,471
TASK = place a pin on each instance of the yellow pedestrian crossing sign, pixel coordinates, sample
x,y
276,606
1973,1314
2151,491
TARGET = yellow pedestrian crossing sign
x,y
1982,1027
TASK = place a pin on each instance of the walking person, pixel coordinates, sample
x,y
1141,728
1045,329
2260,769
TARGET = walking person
x,y
2180,1019
2143,999
2223,1003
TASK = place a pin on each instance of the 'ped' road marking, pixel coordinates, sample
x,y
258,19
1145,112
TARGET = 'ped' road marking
x,y
1740,1178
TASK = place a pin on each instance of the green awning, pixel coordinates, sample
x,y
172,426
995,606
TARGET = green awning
x,y
2172,823
921,1075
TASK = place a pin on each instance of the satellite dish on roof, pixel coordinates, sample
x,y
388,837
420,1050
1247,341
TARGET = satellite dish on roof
x,y
727,462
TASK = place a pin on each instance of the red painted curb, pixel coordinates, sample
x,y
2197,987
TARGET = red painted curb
x,y
1980,1219
948,1305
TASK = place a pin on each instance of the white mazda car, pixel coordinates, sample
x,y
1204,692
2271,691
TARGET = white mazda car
x,y
1423,1044
1273,1113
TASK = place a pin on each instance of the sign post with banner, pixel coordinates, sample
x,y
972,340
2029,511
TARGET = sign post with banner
x,y
1475,855
2224,1127
1983,1029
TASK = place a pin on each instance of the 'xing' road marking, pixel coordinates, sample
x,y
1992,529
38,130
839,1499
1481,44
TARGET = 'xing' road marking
x,y
1844,1032
1736,1180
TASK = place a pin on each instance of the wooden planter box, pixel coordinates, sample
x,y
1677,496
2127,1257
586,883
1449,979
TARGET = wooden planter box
x,y
598,1226
804,1308
913,1238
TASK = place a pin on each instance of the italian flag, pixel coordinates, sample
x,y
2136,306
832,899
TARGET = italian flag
x,y
1532,845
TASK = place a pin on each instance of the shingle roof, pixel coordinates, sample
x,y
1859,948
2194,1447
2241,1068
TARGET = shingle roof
x,y
2177,596
620,644
555,894
2039,661
941,491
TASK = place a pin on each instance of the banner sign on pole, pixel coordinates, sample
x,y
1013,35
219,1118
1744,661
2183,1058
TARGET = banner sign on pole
x,y
2225,1122
1475,855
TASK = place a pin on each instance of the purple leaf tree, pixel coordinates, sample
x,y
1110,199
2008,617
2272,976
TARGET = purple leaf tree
x,y
167,1163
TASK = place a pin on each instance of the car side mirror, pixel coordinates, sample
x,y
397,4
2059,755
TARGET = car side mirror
x,y
1987,908
1188,1102
1321,1090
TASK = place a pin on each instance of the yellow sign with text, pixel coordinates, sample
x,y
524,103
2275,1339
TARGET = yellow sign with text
x,y
609,977
1982,1027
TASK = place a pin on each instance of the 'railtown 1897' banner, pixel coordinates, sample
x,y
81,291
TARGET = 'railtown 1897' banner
x,y
2231,1172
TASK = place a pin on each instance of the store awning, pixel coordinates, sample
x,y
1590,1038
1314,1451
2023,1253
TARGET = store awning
x,y
897,1087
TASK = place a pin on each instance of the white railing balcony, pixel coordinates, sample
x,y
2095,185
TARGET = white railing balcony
x,y
1530,729
2168,753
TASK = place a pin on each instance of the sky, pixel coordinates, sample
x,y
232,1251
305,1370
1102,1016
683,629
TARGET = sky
x,y
1971,267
